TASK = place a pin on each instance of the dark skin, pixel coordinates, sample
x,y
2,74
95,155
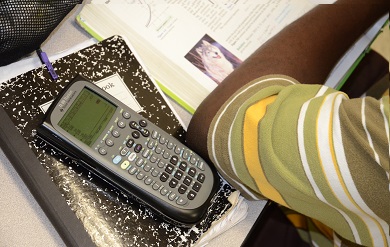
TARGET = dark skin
x,y
307,50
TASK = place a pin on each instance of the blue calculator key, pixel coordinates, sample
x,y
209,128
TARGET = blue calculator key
x,y
117,159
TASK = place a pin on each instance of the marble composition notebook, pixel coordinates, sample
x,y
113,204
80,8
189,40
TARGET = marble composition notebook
x,y
110,217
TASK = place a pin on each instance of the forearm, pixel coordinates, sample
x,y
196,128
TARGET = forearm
x,y
306,50
310,47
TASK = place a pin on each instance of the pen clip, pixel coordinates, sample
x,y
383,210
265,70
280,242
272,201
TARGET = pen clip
x,y
45,60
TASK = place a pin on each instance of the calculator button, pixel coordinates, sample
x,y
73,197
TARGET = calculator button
x,y
182,189
125,164
156,186
130,143
140,175
201,165
133,170
102,151
126,114
178,174
187,181
181,201
172,196
170,145
135,134
117,159
109,142
186,154
158,150
161,164
196,186
191,195
121,124
183,166
174,159
145,132
143,123
162,140
115,133
155,172
193,160
164,177
166,155
133,125
147,168
201,177
154,134
173,183
192,172
164,191
124,151
151,143
148,181
146,153
169,169
153,158
132,157
140,162
178,150
138,148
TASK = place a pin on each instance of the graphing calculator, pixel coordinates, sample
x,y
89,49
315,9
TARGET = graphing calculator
x,y
130,152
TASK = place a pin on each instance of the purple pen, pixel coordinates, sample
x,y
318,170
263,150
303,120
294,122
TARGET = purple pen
x,y
45,60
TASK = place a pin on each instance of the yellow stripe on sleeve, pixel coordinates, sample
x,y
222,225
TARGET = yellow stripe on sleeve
x,y
250,138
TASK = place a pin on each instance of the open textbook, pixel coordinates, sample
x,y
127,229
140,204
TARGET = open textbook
x,y
191,46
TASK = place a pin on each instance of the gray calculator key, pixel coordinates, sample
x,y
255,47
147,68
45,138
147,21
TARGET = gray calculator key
x,y
162,140
102,151
109,142
172,196
178,150
154,134
148,181
140,175
170,145
161,164
126,114
121,124
186,154
156,186
115,133
158,150
133,170
155,173
164,191
181,201
147,167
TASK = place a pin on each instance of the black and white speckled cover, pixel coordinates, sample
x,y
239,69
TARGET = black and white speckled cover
x,y
110,217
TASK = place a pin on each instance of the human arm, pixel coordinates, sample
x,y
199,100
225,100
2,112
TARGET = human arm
x,y
306,50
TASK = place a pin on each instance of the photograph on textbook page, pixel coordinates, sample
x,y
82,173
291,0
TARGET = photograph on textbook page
x,y
213,59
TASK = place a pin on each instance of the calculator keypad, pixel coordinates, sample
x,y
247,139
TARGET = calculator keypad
x,y
152,156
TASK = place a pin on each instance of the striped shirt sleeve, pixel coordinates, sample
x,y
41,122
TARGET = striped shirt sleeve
x,y
309,148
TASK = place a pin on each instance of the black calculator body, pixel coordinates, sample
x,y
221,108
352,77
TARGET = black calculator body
x,y
131,153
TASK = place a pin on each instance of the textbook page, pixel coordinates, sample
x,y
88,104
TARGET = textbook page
x,y
237,29
199,39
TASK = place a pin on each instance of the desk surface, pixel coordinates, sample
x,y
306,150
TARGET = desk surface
x,y
23,223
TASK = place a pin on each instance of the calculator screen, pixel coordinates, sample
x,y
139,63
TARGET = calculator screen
x,y
87,117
